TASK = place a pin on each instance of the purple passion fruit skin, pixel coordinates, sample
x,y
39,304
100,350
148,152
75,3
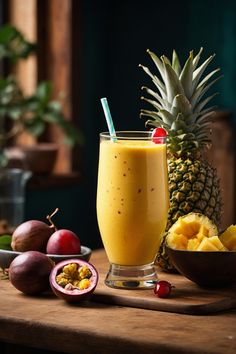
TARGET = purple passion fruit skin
x,y
32,235
73,280
29,272
63,242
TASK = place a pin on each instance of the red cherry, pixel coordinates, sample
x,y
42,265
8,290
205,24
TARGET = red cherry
x,y
158,134
162,288
63,242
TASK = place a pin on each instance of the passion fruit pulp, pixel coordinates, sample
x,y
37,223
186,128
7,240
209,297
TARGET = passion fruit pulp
x,y
73,280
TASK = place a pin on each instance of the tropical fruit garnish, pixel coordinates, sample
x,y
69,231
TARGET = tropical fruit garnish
x,y
158,135
179,100
163,288
228,238
194,232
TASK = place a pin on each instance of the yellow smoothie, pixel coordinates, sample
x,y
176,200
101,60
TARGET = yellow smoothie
x,y
132,199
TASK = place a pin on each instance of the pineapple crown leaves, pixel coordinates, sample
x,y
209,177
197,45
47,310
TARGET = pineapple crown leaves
x,y
179,103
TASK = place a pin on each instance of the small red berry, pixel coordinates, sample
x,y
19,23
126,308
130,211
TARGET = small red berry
x,y
158,134
162,288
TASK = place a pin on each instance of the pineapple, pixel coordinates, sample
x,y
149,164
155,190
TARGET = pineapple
x,y
211,244
194,232
228,238
179,104
189,231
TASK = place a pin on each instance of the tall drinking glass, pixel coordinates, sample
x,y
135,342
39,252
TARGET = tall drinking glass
x,y
132,206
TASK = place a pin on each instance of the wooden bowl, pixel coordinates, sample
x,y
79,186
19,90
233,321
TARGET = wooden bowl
x,y
208,269
6,257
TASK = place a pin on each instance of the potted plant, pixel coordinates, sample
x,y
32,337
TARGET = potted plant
x,y
19,112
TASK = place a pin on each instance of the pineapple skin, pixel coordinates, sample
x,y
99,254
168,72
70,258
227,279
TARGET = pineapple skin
x,y
193,187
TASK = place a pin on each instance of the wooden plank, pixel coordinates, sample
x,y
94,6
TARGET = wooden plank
x,y
222,156
48,23
22,15
47,322
186,296
54,30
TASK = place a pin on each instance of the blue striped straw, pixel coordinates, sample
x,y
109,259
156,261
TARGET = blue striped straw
x,y
108,118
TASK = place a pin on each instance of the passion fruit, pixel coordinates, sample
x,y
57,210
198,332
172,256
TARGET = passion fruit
x,y
29,272
73,280
63,242
31,235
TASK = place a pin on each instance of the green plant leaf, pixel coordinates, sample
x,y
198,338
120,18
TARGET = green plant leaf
x,y
7,33
13,44
72,134
15,112
5,242
173,85
55,106
44,91
35,126
3,159
176,63
36,111
186,76
158,63
52,117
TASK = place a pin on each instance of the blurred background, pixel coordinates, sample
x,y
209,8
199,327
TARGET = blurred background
x,y
91,49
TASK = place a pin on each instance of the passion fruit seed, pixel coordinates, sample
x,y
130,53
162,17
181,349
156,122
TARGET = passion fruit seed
x,y
73,274
71,269
84,272
84,284
62,279
163,288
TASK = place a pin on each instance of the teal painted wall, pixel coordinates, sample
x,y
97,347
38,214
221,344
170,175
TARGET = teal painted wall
x,y
76,210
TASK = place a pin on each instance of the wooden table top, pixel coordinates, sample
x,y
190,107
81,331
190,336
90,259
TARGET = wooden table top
x,y
95,328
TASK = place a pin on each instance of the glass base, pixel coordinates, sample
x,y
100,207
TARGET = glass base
x,y
131,277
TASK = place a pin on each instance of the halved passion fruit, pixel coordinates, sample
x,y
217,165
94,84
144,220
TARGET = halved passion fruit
x,y
73,280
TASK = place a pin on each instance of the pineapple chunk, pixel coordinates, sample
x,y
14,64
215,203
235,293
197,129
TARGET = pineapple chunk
x,y
177,241
203,232
194,223
217,242
206,245
188,228
189,231
179,226
228,238
211,244
193,244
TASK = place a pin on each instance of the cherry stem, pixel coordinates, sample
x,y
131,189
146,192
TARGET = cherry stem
x,y
49,218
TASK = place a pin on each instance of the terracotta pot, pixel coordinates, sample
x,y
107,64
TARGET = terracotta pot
x,y
39,158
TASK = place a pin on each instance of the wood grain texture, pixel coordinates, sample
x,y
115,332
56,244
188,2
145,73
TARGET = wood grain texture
x,y
98,328
186,297
54,58
22,15
222,156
